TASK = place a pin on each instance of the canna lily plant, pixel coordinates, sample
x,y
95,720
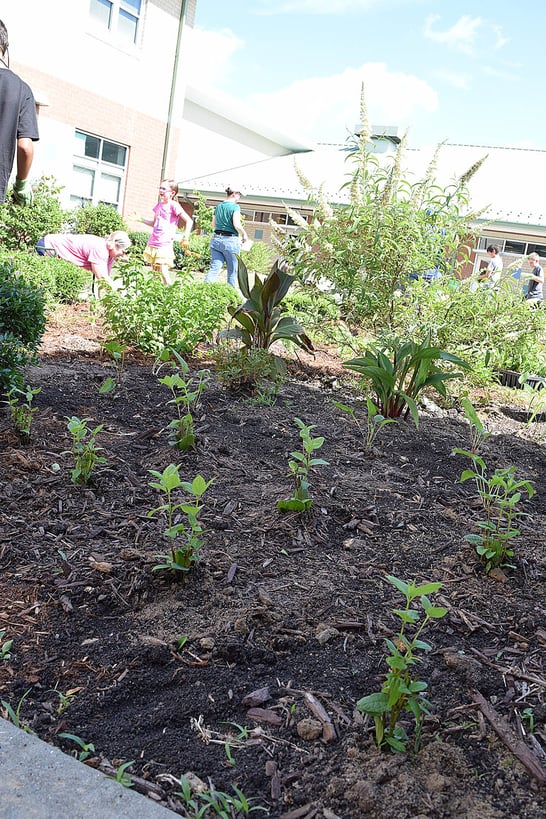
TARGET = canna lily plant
x,y
260,317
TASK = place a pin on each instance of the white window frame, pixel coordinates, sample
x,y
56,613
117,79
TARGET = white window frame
x,y
111,31
100,168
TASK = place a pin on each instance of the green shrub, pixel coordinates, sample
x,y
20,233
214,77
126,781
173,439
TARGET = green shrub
x,y
310,307
153,316
139,239
22,324
258,259
60,281
197,260
98,220
21,227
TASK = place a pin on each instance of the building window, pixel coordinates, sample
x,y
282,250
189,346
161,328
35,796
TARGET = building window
x,y
120,18
258,234
511,246
98,171
540,249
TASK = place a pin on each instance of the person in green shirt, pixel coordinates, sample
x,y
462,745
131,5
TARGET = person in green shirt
x,y
227,237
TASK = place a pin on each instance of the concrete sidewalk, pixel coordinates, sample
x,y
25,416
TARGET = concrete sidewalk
x,y
38,781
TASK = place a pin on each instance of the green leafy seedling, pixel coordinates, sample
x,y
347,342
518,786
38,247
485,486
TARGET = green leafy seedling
x,y
87,748
14,715
299,467
374,421
21,409
185,536
84,448
122,777
402,690
5,647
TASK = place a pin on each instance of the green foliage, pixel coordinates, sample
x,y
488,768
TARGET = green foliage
x,y
399,380
402,690
186,393
208,803
202,214
392,228
14,714
117,351
374,421
258,259
22,325
152,316
98,220
59,280
248,371
122,777
21,409
196,258
84,448
139,240
21,227
182,555
500,494
489,328
260,316
299,468
86,748
318,312
478,433
5,646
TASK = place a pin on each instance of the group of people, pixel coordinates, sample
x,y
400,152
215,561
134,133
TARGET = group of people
x,y
19,132
490,276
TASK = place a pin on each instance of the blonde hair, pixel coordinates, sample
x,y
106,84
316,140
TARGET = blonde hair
x,y
172,185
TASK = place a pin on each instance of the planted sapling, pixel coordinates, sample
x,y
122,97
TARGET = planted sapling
x,y
21,409
186,537
186,392
374,421
299,468
84,448
117,351
478,433
402,689
500,494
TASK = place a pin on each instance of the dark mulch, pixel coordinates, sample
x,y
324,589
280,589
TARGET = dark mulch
x,y
298,605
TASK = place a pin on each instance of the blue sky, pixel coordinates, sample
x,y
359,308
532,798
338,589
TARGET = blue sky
x,y
467,72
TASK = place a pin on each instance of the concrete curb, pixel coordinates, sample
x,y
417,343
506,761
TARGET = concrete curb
x,y
38,781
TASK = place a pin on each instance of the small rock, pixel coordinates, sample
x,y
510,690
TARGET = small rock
x,y
309,728
207,643
327,634
257,697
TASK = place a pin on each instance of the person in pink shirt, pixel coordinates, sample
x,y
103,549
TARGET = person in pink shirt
x,y
168,214
94,253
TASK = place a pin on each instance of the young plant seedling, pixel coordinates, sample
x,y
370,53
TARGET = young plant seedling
x,y
84,448
14,715
21,409
374,422
122,777
478,433
299,468
87,748
117,351
185,537
212,802
402,689
5,647
500,493
186,393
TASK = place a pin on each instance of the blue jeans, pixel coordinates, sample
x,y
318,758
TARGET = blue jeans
x,y
224,249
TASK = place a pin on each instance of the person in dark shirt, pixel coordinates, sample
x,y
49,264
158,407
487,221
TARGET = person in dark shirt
x,y
18,127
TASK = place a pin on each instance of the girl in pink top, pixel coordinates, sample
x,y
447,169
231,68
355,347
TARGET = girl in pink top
x,y
168,214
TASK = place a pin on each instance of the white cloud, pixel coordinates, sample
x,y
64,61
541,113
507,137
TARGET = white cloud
x,y
461,36
327,108
453,78
209,55
501,40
